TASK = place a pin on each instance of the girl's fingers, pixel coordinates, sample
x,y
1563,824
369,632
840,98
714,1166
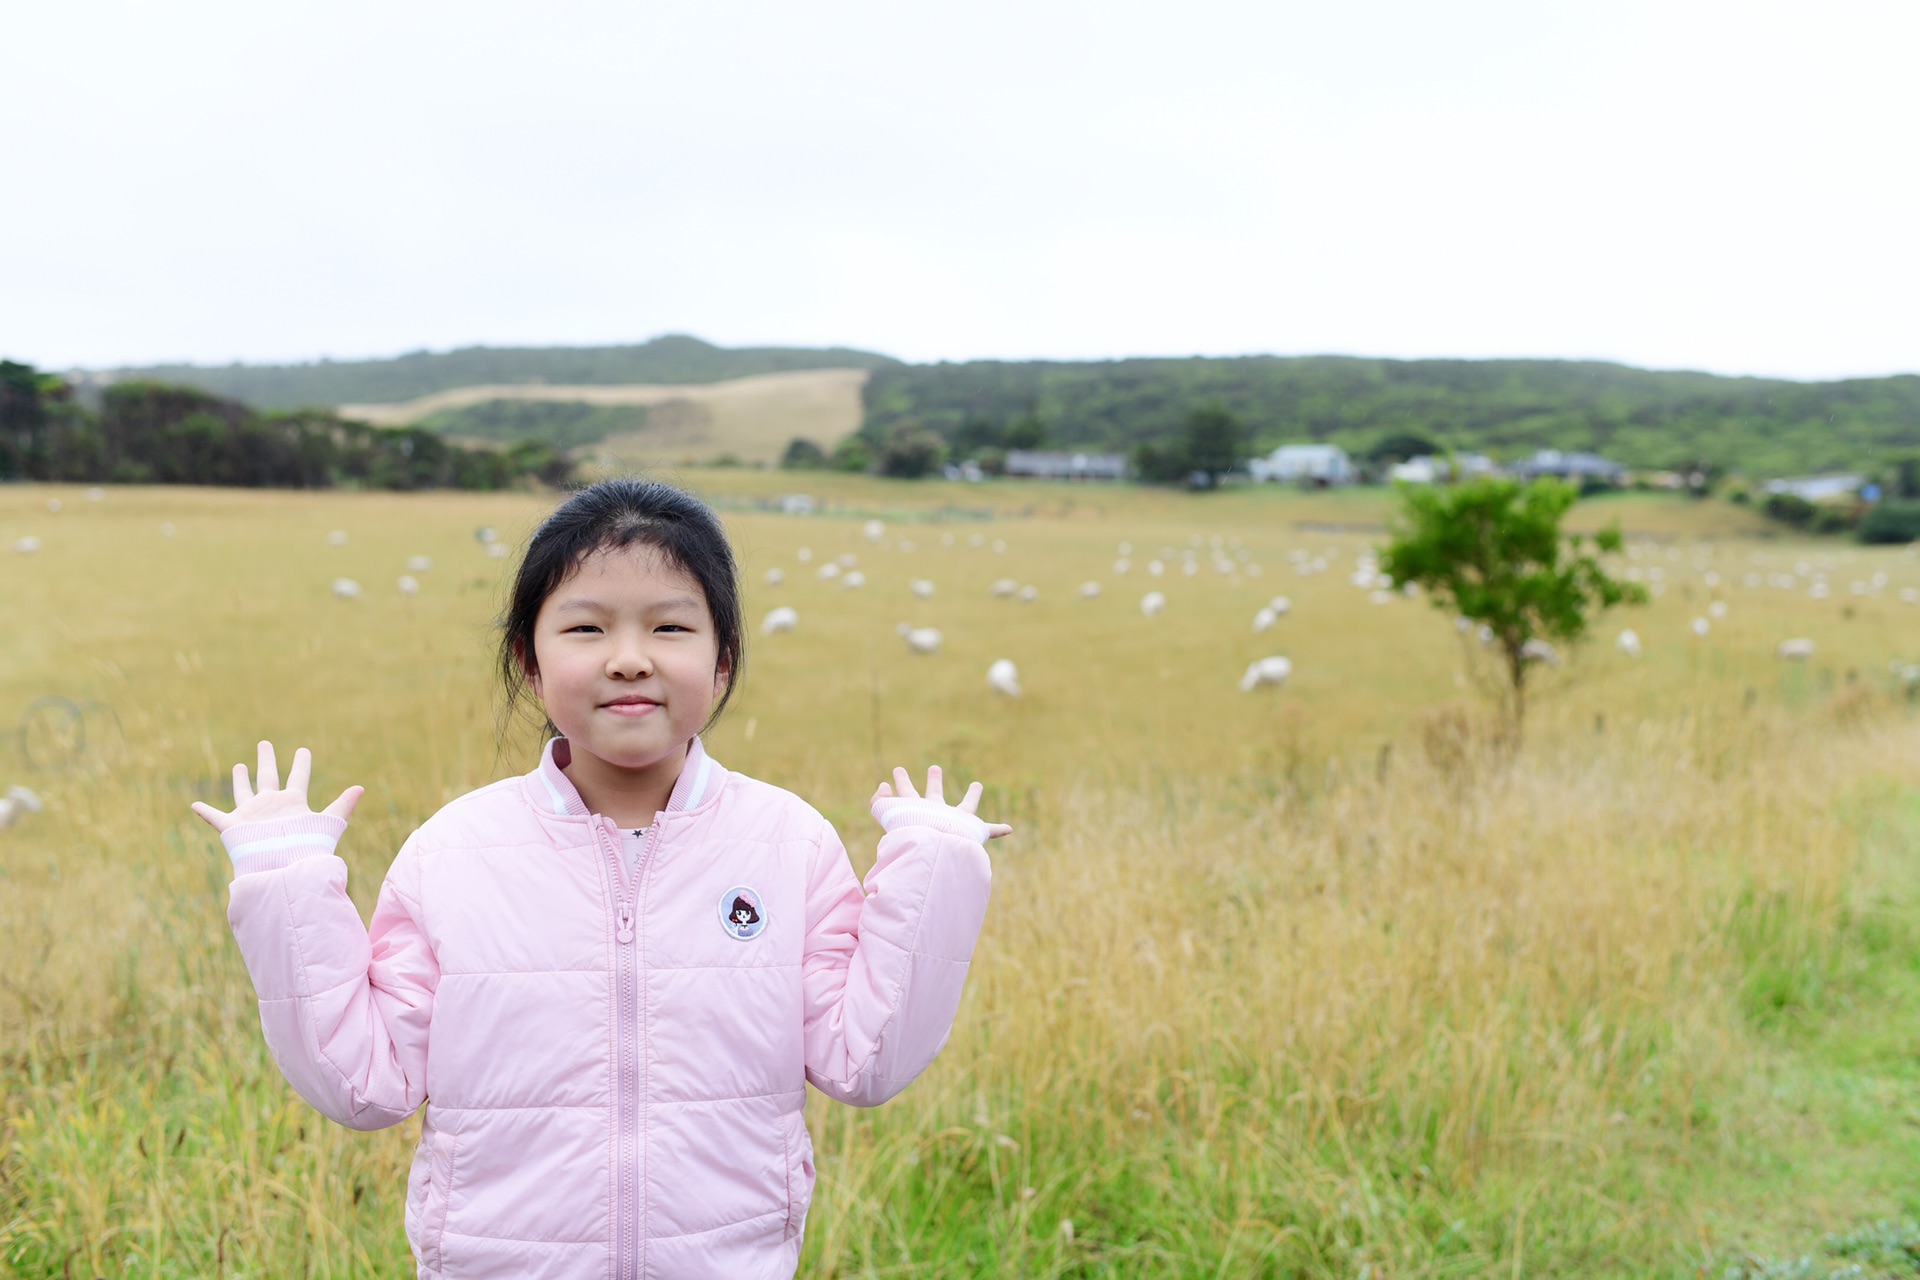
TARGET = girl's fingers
x,y
903,785
302,771
935,791
267,774
342,808
242,789
970,802
884,793
212,816
997,829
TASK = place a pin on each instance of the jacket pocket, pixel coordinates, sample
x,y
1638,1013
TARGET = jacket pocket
x,y
427,1207
799,1172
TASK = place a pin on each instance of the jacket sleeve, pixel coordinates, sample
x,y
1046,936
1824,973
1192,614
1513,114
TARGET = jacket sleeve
x,y
885,964
345,1010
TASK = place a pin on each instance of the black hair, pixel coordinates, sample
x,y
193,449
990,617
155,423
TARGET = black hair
x,y
611,515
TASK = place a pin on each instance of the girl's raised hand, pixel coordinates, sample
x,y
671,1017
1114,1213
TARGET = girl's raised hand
x,y
271,802
893,804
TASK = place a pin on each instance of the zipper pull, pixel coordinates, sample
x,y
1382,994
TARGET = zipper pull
x,y
623,922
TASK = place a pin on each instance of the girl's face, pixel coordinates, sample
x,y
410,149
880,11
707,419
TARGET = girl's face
x,y
625,657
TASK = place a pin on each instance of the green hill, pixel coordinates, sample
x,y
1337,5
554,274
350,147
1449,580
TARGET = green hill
x,y
674,358
1640,417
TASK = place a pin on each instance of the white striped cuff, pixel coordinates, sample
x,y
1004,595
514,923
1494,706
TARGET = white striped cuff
x,y
894,814
261,846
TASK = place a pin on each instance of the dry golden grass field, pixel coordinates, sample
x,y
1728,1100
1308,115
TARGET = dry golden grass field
x,y
752,418
1300,982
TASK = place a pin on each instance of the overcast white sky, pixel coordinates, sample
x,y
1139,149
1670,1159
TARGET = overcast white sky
x,y
1724,186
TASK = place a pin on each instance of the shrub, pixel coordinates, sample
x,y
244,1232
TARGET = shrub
x,y
1892,522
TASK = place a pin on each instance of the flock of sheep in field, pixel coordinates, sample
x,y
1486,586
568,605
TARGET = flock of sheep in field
x,y
1226,556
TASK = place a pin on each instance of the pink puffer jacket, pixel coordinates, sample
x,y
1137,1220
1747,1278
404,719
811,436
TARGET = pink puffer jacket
x,y
613,1062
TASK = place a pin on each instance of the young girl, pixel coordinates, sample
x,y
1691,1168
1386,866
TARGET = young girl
x,y
610,979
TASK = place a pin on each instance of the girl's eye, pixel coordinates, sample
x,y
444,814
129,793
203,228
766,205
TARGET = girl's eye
x,y
584,626
669,626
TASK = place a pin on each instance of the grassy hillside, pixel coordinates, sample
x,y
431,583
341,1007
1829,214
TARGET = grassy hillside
x,y
1641,417
674,358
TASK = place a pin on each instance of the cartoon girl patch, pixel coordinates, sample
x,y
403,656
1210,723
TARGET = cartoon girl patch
x,y
742,914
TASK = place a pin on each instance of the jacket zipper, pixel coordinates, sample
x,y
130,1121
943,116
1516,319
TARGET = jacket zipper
x,y
627,1070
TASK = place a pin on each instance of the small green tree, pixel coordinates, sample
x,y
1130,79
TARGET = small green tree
x,y
1492,551
803,455
910,452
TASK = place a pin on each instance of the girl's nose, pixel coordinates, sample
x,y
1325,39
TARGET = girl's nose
x,y
630,662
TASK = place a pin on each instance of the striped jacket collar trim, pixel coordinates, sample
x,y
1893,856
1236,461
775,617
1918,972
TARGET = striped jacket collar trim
x,y
699,778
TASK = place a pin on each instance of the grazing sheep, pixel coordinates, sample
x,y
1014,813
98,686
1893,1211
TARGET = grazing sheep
x,y
782,619
920,639
1122,565
409,585
338,538
1152,603
999,547
829,571
1701,626
1281,606
848,560
1004,677
1264,619
874,530
498,550
804,555
346,588
1273,671
775,577
17,801
854,579
166,529
419,564
1155,568
486,535
1005,588
1798,649
1717,610
27,545
1029,593
1628,642
1088,590
921,587
1537,650
96,493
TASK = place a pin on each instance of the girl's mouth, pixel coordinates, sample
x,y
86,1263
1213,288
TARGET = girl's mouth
x,y
630,707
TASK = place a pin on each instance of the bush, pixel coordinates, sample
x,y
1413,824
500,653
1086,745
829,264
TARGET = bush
x,y
852,454
908,453
1789,510
1892,522
803,455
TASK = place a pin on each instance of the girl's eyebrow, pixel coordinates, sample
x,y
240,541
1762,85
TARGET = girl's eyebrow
x,y
585,604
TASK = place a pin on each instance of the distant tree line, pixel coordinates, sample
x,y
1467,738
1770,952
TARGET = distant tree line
x,y
156,433
1508,408
675,358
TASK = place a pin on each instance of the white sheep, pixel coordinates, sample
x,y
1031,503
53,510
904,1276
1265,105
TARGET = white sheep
x,y
854,579
1005,587
804,555
775,577
1281,606
419,564
1029,593
1264,619
1004,677
829,571
920,639
1155,568
874,530
1088,590
1273,671
1798,649
409,585
17,801
1152,603
921,587
1538,650
1628,642
785,618
498,550
27,545
338,538
1122,566
1701,626
346,588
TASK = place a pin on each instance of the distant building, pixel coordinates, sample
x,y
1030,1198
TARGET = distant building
x,y
1315,464
1428,469
1826,488
796,504
1581,468
1044,465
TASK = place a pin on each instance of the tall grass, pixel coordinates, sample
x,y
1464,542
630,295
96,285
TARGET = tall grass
x,y
1268,987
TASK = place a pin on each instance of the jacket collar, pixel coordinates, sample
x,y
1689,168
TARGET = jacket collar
x,y
554,792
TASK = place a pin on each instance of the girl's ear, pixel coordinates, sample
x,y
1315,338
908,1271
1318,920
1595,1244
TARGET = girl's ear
x,y
527,667
722,677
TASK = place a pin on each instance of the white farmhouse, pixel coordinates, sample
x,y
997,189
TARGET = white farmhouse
x,y
1319,465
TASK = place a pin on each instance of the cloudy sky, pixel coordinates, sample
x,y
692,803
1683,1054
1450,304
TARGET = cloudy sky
x,y
1725,186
